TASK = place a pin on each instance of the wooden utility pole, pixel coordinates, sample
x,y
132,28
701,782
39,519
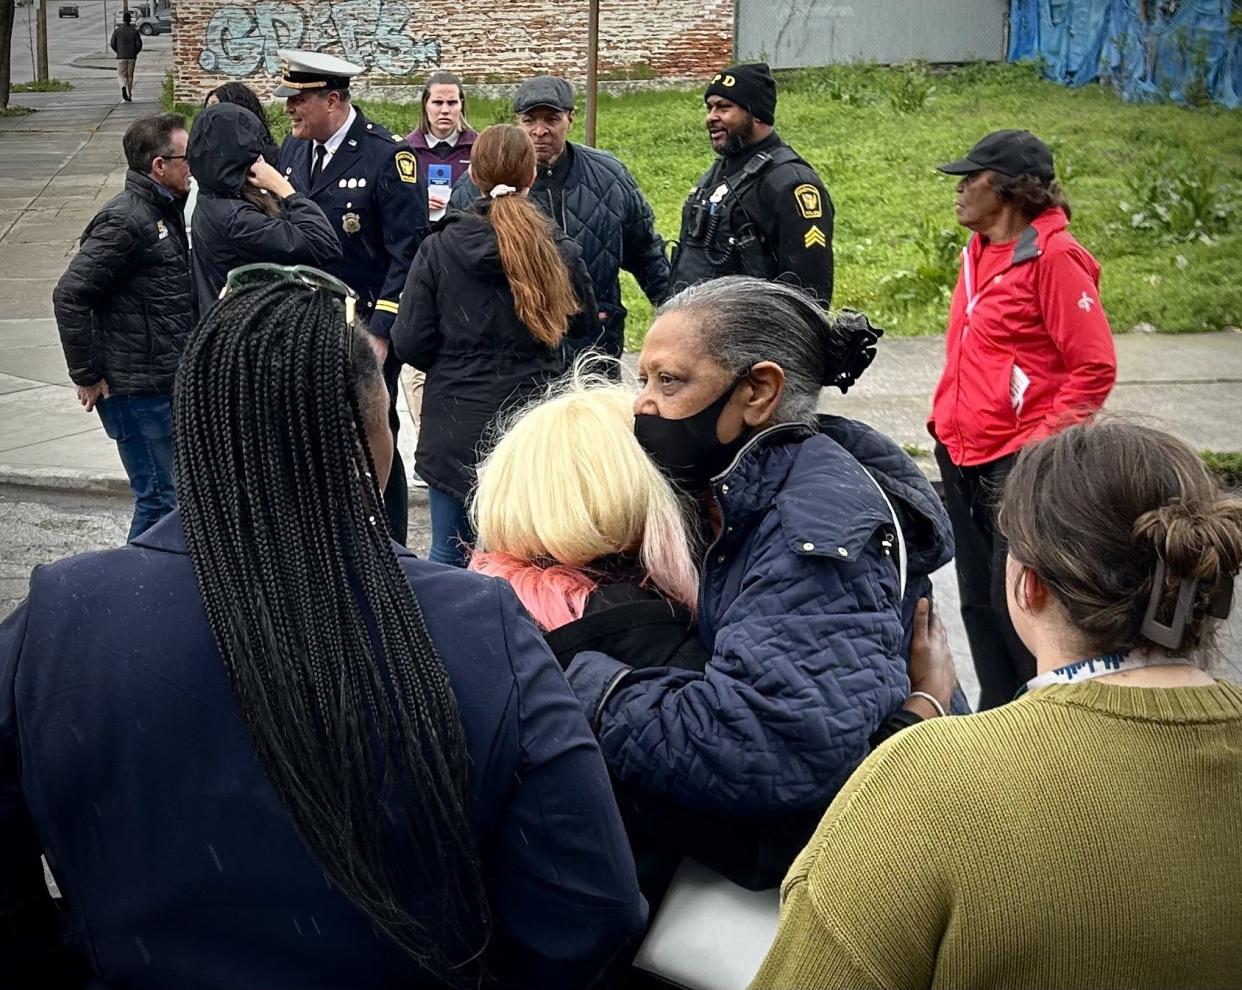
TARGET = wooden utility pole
x,y
41,40
592,69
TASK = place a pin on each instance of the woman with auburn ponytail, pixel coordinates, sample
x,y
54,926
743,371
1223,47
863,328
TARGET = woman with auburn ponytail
x,y
489,307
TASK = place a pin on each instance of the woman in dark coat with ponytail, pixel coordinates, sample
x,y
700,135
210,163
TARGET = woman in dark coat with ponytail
x,y
254,745
246,211
496,302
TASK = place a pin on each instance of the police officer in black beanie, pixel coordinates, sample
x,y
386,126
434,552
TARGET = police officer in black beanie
x,y
760,210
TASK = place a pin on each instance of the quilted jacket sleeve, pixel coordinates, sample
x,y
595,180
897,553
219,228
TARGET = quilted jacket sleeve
x,y
807,662
642,248
107,249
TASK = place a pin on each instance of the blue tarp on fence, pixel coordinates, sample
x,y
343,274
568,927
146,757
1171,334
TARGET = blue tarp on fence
x,y
1147,49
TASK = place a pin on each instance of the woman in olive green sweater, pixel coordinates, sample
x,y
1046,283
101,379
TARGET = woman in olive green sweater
x,y
1090,833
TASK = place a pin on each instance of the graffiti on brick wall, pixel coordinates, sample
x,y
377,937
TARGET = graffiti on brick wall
x,y
243,40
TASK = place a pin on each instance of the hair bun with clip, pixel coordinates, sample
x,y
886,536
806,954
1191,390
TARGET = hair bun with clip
x,y
858,338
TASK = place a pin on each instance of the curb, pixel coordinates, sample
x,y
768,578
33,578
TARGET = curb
x,y
65,480
84,482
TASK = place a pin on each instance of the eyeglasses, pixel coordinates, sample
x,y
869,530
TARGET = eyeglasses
x,y
169,158
265,274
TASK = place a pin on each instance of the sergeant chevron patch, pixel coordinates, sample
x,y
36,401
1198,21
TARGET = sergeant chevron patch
x,y
815,237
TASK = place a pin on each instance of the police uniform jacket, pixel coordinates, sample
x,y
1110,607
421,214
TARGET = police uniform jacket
x,y
371,195
124,758
761,212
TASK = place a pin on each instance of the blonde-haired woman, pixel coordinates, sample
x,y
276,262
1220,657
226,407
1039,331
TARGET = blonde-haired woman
x,y
487,307
593,539
571,512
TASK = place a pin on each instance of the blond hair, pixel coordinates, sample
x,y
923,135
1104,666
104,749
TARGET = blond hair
x,y
567,484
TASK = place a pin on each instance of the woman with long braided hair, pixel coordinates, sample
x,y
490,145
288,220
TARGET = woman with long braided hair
x,y
255,745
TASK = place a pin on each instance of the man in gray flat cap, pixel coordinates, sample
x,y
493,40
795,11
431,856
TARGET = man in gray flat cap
x,y
593,198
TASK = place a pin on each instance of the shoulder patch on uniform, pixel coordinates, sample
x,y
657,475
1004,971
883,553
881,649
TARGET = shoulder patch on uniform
x,y
407,166
810,205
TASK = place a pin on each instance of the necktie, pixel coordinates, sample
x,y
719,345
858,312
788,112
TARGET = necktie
x,y
321,150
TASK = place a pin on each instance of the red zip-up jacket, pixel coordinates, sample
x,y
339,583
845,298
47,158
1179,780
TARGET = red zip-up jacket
x,y
1027,354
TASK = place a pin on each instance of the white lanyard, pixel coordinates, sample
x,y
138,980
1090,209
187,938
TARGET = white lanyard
x,y
1101,666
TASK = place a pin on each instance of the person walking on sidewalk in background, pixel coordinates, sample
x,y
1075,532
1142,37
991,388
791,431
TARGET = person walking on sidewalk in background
x,y
127,43
594,199
124,310
1029,351
247,211
443,138
490,301
760,209
366,182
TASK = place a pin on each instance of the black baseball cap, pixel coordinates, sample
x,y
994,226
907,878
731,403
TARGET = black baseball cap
x,y
543,91
1010,153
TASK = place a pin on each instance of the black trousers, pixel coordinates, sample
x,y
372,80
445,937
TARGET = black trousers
x,y
971,495
396,492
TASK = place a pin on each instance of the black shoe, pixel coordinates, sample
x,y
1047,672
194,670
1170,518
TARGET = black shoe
x,y
125,94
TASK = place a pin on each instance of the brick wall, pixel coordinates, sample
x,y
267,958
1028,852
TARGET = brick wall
x,y
399,42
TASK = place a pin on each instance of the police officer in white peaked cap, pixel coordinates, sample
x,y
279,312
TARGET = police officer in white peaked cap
x,y
366,181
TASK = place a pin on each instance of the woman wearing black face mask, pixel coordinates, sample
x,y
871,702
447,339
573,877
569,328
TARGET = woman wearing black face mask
x,y
801,603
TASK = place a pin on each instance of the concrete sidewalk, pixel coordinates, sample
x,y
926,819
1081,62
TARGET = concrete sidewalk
x,y
61,164
1190,385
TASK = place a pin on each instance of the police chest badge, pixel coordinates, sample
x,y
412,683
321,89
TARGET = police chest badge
x,y
407,166
351,223
809,203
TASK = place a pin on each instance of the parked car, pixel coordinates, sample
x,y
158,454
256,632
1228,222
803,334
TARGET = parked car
x,y
67,10
145,21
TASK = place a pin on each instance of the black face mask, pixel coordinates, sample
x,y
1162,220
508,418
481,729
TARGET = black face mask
x,y
687,451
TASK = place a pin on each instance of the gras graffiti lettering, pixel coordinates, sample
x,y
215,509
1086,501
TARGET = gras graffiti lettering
x,y
243,40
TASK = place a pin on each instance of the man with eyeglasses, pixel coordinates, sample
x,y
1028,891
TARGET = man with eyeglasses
x,y
124,310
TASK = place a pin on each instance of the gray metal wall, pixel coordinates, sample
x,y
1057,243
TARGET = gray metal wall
x,y
796,33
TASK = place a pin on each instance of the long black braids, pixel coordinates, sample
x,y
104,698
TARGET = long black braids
x,y
339,684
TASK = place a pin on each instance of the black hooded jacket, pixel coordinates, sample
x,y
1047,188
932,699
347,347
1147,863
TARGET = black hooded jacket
x,y
458,323
228,230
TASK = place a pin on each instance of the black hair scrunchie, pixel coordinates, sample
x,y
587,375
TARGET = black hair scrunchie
x,y
859,338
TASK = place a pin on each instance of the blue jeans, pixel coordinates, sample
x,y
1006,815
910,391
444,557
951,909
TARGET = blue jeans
x,y
141,425
451,533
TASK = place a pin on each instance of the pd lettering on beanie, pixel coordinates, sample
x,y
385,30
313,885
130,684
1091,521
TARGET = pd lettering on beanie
x,y
750,85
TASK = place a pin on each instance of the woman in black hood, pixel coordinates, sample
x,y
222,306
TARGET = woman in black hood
x,y
247,211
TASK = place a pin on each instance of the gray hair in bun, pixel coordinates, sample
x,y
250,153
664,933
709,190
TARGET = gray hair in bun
x,y
745,320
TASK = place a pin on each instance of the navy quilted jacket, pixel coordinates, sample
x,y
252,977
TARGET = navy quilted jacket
x,y
606,213
800,607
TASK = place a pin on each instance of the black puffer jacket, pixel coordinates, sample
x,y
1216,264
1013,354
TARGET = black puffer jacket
x,y
458,324
124,306
610,220
230,230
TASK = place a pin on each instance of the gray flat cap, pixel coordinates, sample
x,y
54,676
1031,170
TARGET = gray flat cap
x,y
543,91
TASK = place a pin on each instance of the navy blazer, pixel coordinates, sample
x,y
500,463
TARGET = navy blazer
x,y
123,758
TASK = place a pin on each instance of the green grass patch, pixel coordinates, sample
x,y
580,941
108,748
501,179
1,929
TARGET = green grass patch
x,y
1227,466
15,111
47,86
1156,189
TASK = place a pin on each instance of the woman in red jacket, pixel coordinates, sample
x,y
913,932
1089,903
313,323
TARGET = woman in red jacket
x,y
1028,351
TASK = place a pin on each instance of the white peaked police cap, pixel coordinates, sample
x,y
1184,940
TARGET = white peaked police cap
x,y
306,72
